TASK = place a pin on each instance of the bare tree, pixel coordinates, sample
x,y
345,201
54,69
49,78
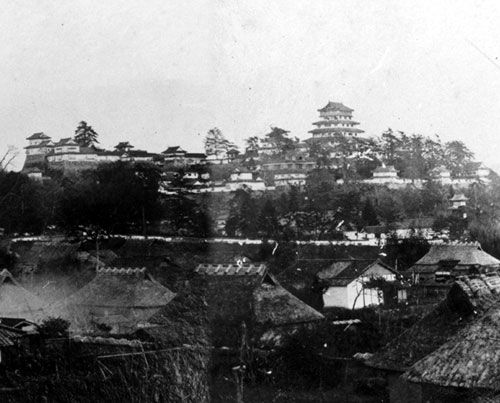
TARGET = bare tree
x,y
8,157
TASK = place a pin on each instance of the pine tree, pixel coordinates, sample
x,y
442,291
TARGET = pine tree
x,y
85,135
368,214
268,219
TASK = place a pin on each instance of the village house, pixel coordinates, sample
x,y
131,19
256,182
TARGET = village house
x,y
247,292
17,302
344,283
451,353
116,301
446,262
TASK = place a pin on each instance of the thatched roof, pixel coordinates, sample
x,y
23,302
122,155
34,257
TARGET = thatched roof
x,y
117,297
470,359
17,302
466,254
275,306
32,253
9,336
468,299
248,291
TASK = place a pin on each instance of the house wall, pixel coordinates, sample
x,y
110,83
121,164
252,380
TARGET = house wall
x,y
357,297
353,296
336,296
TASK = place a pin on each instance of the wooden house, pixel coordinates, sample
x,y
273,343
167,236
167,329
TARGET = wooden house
x,y
344,283
116,301
445,262
18,302
447,354
247,292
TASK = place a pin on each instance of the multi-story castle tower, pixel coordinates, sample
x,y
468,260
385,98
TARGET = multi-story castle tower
x,y
335,120
40,145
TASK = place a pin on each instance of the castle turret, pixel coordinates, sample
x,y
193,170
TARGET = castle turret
x,y
335,119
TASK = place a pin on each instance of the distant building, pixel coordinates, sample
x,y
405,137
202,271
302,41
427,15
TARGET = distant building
x,y
458,201
344,283
335,119
39,146
179,156
284,179
245,178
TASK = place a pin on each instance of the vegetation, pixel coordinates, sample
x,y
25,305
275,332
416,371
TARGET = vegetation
x,y
85,135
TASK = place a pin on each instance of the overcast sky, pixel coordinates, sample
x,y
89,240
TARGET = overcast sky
x,y
161,73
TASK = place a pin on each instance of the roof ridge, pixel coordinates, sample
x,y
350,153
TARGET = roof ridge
x,y
121,270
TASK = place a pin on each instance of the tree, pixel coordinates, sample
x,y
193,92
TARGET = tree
x,y
241,220
279,140
252,145
389,207
114,197
8,157
52,328
268,219
85,135
216,144
368,214
457,156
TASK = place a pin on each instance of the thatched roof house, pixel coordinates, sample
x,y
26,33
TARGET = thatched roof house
x,y
468,299
17,302
247,292
470,359
451,346
117,300
452,260
30,255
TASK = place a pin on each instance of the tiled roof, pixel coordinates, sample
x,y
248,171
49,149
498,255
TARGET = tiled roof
x,y
323,122
336,106
336,129
37,136
68,141
175,149
245,269
459,197
342,272
44,143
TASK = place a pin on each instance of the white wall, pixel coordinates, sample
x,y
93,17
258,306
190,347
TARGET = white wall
x,y
336,296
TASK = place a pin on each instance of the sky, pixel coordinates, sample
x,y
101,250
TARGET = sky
x,y
162,73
